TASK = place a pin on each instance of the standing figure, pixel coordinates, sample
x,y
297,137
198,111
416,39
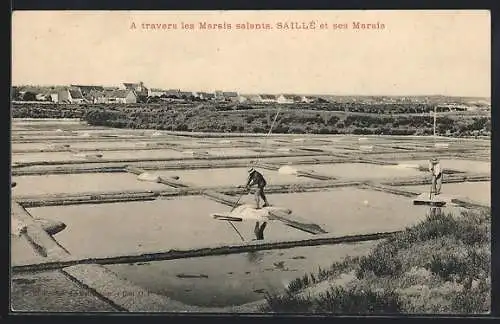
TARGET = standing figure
x,y
437,175
256,178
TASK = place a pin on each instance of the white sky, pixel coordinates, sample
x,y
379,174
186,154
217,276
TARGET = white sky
x,y
418,52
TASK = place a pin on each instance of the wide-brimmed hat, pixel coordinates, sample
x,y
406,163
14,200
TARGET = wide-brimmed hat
x,y
434,160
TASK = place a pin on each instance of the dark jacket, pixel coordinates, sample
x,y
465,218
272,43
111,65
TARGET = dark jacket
x,y
255,178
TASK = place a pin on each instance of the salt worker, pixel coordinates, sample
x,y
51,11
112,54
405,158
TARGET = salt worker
x,y
437,175
256,178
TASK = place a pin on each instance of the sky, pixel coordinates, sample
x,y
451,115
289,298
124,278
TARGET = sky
x,y
416,53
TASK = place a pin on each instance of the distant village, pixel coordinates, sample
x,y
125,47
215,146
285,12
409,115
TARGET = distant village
x,y
131,93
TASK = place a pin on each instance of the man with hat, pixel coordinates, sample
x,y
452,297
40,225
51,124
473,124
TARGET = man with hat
x,y
256,178
437,175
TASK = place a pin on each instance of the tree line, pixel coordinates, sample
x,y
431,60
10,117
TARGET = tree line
x,y
215,118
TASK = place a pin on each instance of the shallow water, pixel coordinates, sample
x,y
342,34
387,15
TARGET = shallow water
x,y
106,144
141,154
28,146
148,226
226,152
79,183
350,210
460,165
229,176
357,170
218,281
43,157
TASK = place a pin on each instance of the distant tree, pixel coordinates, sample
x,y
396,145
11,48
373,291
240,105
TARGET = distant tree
x,y
29,96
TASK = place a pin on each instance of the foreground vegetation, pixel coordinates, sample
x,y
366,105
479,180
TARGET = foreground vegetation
x,y
441,265
301,119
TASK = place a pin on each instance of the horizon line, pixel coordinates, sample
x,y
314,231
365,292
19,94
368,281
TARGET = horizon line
x,y
262,92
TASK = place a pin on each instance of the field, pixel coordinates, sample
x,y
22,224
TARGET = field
x,y
151,244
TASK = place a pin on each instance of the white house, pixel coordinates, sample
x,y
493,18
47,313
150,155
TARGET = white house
x,y
156,92
205,95
307,99
118,96
70,95
288,99
267,98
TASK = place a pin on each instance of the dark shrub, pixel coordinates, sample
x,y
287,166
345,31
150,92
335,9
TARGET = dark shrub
x,y
287,304
446,266
381,262
358,301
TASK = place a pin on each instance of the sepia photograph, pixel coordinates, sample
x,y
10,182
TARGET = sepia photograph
x,y
251,162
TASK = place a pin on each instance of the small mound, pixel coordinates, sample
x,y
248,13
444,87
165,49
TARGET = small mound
x,y
149,177
286,169
249,212
52,227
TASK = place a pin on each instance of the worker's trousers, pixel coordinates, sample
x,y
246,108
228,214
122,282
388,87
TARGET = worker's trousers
x,y
259,193
437,182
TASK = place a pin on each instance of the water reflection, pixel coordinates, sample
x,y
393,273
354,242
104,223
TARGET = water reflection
x,y
254,257
435,211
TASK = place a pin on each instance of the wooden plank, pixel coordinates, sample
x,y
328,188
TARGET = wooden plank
x,y
297,222
221,198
